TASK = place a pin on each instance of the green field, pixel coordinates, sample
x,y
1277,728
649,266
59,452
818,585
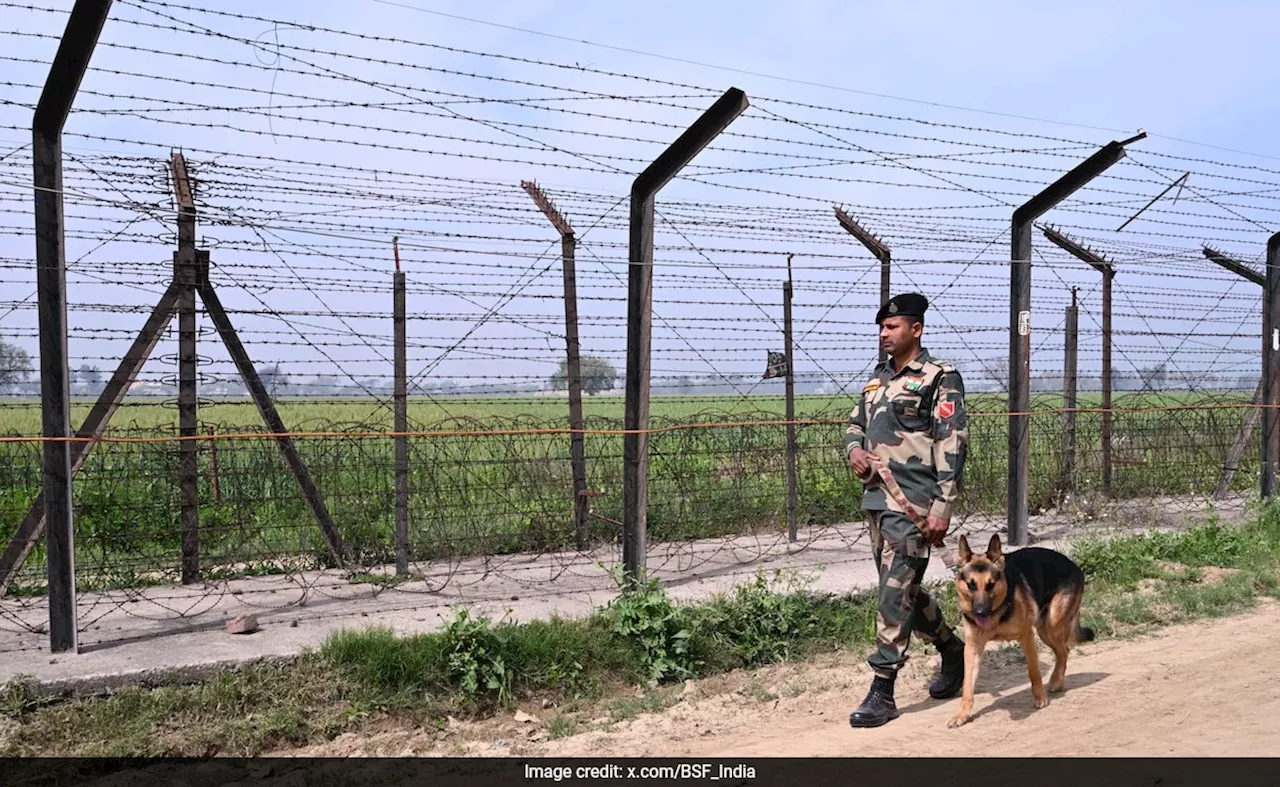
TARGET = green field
x,y
299,413
492,494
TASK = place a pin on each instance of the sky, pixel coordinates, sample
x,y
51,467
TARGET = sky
x,y
1024,90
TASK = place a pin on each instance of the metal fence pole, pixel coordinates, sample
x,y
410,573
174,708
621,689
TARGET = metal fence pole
x,y
790,405
1020,325
401,419
60,88
1108,276
1108,271
1069,387
878,250
644,189
572,363
1264,388
1271,369
184,277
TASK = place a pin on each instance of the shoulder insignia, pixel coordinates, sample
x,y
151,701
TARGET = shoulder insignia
x,y
871,386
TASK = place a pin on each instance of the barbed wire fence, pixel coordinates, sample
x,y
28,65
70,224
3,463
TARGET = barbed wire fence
x,y
323,169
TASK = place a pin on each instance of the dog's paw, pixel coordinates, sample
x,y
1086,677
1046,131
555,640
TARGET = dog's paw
x,y
959,720
1055,688
1041,701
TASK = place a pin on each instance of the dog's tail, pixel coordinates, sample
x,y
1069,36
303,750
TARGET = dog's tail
x,y
1080,633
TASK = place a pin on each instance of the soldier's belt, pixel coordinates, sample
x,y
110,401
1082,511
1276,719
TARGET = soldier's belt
x,y
891,486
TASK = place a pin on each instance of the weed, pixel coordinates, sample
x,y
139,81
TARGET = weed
x,y
561,726
476,664
629,707
761,693
657,631
760,625
17,695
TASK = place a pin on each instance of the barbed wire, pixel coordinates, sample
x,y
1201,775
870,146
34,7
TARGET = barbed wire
x,y
308,156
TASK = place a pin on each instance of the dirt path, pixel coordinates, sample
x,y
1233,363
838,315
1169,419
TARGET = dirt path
x,y
1204,689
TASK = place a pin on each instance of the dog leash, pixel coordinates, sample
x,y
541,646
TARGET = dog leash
x,y
891,486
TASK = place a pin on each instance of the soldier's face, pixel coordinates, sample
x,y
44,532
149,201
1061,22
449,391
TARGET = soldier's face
x,y
898,334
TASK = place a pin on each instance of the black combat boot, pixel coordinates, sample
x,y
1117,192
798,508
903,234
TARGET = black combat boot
x,y
878,708
950,679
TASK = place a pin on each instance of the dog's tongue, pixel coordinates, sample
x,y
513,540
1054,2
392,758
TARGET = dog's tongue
x,y
983,621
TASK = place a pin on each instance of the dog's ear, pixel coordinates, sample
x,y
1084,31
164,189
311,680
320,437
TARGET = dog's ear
x,y
993,548
963,549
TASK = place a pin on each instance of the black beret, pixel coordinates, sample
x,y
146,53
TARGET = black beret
x,y
908,304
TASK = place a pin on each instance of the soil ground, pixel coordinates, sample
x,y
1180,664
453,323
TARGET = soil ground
x,y
1194,690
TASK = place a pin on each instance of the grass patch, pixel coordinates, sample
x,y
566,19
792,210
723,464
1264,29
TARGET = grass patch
x,y
642,638
477,666
651,701
474,665
1141,582
561,726
242,712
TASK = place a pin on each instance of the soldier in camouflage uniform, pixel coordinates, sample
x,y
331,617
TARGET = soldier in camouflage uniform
x,y
911,419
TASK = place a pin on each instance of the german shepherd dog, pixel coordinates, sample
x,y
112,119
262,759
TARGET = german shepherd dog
x,y
1011,598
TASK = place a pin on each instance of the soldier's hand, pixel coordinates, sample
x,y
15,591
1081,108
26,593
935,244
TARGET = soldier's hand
x,y
935,529
860,461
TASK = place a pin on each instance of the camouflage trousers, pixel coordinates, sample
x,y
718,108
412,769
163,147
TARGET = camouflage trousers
x,y
901,555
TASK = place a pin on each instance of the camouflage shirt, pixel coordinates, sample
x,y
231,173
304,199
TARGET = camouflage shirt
x,y
914,422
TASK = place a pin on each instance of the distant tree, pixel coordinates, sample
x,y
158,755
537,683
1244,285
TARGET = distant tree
x,y
998,370
15,366
274,380
229,386
1155,377
597,375
560,379
90,374
326,385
